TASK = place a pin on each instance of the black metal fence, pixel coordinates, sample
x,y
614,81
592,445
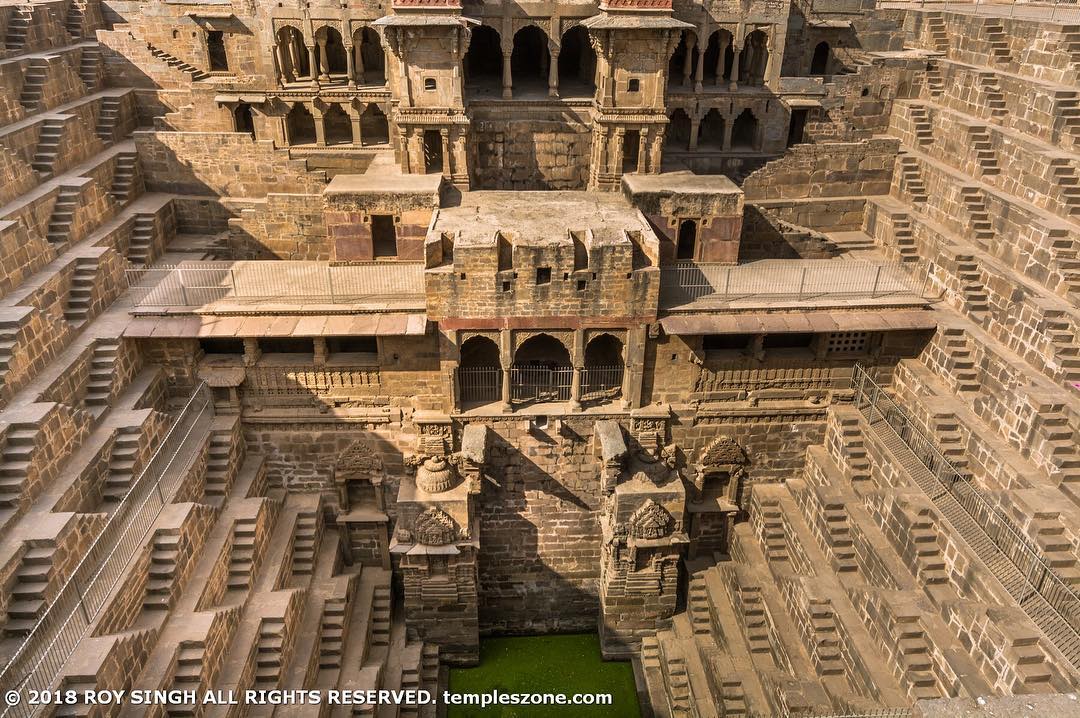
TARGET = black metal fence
x,y
479,384
38,662
601,382
540,383
1040,578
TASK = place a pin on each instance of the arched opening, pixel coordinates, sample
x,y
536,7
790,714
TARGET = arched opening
x,y
686,247
215,50
678,130
683,60
577,64
433,152
630,150
819,63
374,127
243,119
371,60
483,61
294,55
529,60
754,59
718,57
335,62
711,131
480,371
338,126
744,131
301,125
603,376
542,370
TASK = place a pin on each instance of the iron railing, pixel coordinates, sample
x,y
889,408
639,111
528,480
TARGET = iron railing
x,y
480,383
540,383
688,282
38,661
601,382
987,521
1053,11
197,284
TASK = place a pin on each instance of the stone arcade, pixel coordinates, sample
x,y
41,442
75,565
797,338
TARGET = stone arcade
x,y
337,336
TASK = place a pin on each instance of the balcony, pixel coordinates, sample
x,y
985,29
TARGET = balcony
x,y
539,384
694,286
277,286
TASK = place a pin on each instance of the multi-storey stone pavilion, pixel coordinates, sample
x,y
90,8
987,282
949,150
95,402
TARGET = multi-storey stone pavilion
x,y
335,336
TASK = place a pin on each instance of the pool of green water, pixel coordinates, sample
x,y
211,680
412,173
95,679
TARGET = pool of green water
x,y
546,664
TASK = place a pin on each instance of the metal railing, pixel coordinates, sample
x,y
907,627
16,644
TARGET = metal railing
x,y
1040,578
601,382
540,383
480,383
40,658
197,284
1053,11
800,279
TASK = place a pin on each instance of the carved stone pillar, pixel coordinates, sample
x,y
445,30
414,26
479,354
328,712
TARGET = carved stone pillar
x,y
695,129
359,63
313,65
324,65
351,66
729,125
279,66
721,57
688,58
734,83
642,156
320,125
507,77
699,72
553,75
444,136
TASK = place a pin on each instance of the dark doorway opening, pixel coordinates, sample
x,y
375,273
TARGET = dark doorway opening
x,y
383,236
215,48
686,249
433,152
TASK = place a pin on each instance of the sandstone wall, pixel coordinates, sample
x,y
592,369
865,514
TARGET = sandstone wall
x,y
828,170
529,149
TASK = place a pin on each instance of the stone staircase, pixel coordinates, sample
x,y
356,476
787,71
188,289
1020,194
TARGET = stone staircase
x,y
242,555
1064,343
935,83
995,98
972,288
996,561
332,634
89,66
34,85
20,443
1064,175
905,239
63,216
217,465
984,151
187,676
27,597
100,381
911,179
142,240
81,291
999,41
48,146
164,555
923,125
268,653
76,15
108,116
697,605
304,544
938,37
176,63
960,362
18,28
123,459
123,184
380,614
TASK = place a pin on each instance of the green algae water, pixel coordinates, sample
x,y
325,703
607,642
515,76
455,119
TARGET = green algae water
x,y
546,664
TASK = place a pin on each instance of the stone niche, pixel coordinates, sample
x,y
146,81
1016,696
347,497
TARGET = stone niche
x,y
437,537
695,217
380,217
644,537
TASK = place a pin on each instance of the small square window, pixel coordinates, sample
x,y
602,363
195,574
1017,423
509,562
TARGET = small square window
x,y
543,275
634,85
506,286
429,83
582,285
463,275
